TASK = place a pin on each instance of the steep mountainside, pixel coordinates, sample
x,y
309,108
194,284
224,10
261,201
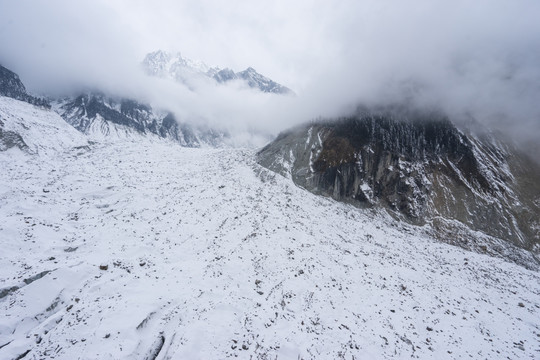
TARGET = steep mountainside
x,y
164,64
11,86
420,167
34,129
26,121
100,116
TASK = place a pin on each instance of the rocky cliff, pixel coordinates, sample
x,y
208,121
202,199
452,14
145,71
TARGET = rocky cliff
x,y
12,86
421,168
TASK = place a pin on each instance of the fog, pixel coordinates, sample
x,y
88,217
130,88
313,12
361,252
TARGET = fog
x,y
476,59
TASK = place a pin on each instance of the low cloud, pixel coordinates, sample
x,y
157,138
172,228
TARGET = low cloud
x,y
471,59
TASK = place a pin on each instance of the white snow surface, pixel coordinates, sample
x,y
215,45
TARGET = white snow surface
x,y
206,255
44,131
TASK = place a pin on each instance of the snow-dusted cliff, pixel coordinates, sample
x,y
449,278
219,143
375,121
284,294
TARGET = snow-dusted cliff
x,y
12,86
419,166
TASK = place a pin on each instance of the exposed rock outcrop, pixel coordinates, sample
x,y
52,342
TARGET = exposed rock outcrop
x,y
12,86
420,167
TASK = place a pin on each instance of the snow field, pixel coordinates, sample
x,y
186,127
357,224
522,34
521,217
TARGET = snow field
x,y
150,250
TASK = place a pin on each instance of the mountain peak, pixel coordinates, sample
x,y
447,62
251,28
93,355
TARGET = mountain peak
x,y
164,64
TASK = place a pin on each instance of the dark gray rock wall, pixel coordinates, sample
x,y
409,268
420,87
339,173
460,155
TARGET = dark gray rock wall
x,y
11,86
420,167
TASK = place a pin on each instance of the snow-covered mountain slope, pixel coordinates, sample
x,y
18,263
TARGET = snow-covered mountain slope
x,y
35,129
139,250
107,118
421,167
184,70
104,118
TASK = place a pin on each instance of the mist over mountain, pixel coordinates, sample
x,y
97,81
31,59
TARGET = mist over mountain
x,y
183,70
372,190
333,57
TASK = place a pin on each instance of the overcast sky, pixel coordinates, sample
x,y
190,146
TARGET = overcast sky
x,y
480,57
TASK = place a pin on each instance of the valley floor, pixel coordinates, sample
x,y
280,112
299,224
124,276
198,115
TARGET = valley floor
x,y
139,250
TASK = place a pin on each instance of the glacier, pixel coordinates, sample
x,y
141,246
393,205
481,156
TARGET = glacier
x,y
139,248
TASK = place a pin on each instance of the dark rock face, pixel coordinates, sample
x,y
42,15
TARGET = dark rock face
x,y
102,115
373,148
420,167
11,86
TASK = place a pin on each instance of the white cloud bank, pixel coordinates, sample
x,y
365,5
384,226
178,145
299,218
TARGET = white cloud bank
x,y
479,58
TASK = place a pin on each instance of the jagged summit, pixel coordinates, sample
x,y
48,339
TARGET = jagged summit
x,y
175,66
419,166
166,64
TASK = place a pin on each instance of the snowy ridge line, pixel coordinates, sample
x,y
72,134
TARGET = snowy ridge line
x,y
186,71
